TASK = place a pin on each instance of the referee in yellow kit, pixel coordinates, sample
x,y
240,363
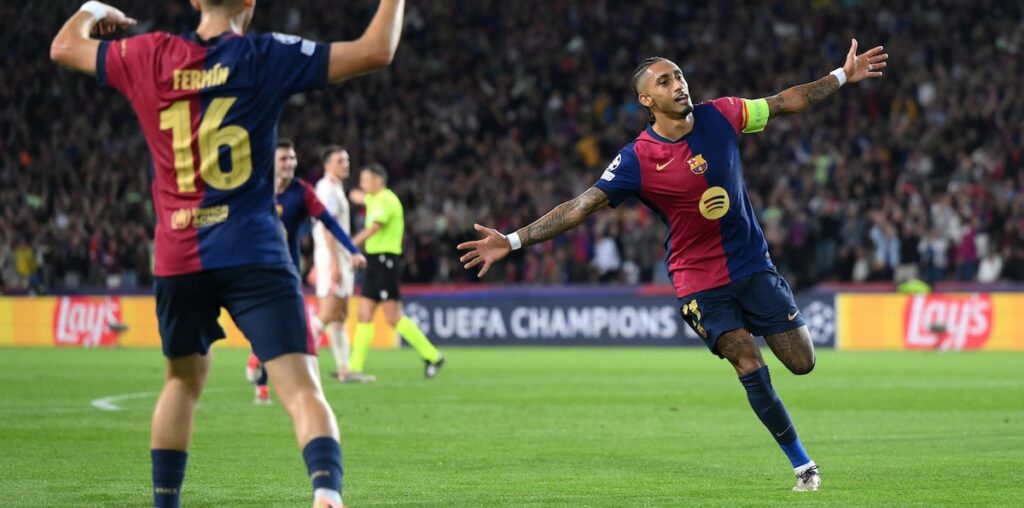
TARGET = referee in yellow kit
x,y
382,235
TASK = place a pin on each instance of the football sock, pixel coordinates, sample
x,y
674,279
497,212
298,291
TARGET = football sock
x,y
323,461
412,334
364,335
772,412
339,345
168,474
253,361
262,381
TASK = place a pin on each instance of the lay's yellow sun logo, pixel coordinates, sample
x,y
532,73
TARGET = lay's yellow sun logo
x,y
697,164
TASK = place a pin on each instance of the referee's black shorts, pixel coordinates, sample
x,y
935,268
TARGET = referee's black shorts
x,y
383,275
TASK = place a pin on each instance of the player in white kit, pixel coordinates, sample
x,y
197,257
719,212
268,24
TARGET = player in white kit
x,y
335,277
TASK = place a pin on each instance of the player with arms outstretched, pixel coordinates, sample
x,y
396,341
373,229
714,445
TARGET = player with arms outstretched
x,y
686,167
209,103
297,203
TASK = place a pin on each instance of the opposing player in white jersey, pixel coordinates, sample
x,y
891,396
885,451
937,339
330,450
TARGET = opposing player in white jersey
x,y
335,277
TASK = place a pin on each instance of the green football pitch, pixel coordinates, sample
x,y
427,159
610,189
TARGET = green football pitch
x,y
530,427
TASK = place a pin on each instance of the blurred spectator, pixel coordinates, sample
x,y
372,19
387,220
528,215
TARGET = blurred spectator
x,y
496,111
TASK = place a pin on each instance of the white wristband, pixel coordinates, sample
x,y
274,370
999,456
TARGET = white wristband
x,y
513,239
840,74
99,10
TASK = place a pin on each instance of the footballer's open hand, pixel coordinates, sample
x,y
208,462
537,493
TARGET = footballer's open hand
x,y
491,248
868,64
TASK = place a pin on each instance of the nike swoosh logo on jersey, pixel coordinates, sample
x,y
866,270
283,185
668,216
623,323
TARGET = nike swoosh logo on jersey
x,y
660,167
792,316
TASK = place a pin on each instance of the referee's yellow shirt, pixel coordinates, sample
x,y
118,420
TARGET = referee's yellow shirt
x,y
386,210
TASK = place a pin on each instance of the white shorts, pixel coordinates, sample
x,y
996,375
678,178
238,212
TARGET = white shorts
x,y
324,285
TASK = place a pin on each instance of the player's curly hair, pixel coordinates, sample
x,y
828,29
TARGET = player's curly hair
x,y
639,73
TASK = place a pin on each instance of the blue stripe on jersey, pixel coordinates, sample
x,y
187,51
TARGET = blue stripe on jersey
x,y
742,239
252,214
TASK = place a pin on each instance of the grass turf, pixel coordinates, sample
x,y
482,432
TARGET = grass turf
x,y
531,427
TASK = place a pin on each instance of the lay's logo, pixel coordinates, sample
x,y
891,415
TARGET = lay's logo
x,y
697,164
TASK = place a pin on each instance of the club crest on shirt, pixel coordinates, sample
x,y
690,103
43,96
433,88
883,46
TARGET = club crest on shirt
x,y
280,210
697,164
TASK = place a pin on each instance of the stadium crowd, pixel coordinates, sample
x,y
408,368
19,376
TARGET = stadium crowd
x,y
496,111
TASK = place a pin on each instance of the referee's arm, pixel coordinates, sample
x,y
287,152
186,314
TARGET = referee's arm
x,y
370,230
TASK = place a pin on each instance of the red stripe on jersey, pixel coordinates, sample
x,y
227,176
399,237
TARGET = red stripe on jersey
x,y
176,247
672,181
313,205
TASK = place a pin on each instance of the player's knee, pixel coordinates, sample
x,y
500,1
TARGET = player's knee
x,y
802,366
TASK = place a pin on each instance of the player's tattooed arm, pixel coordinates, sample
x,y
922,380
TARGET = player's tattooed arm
x,y
564,217
857,68
494,246
798,98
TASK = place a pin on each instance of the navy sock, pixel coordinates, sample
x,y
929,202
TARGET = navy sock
x,y
168,474
323,460
772,412
262,381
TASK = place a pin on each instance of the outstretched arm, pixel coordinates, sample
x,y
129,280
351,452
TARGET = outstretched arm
x,y
494,246
73,48
374,49
857,68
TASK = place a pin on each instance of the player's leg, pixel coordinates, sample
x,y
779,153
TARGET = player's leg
x,y
407,328
794,349
296,380
364,331
333,312
187,308
770,310
267,306
740,348
172,425
257,375
717,316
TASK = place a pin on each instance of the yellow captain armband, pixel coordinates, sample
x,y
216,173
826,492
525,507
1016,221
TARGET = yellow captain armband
x,y
755,113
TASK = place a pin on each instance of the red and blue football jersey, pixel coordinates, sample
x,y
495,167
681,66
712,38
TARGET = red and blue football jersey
x,y
209,111
296,206
695,184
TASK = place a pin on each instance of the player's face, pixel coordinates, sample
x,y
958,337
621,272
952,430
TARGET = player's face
x,y
338,165
284,167
664,89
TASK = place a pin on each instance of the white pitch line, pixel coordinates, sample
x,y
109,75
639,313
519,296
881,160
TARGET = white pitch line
x,y
110,403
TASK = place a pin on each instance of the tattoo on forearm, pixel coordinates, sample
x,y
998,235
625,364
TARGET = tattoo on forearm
x,y
564,217
798,98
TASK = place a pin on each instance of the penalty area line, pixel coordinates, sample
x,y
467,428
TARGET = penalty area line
x,y
111,403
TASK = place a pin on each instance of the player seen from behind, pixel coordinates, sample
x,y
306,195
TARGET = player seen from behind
x,y
208,103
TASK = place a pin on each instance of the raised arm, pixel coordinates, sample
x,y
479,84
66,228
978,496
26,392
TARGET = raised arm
x,y
494,246
73,48
857,68
374,49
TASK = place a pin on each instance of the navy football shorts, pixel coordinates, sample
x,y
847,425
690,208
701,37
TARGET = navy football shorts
x,y
263,300
763,304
